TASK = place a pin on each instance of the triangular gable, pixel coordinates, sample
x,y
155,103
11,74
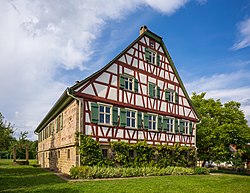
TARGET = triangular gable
x,y
90,86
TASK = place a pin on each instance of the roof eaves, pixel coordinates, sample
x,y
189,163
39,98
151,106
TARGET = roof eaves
x,y
55,110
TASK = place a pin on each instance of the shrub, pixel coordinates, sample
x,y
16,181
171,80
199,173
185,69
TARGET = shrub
x,y
92,172
201,170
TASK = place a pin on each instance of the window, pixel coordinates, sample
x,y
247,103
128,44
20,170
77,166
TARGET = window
x,y
152,57
104,153
152,44
128,83
131,153
68,153
170,125
131,120
171,96
104,114
152,122
185,125
153,90
58,154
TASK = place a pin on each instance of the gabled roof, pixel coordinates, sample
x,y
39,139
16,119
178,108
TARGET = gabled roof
x,y
160,41
66,97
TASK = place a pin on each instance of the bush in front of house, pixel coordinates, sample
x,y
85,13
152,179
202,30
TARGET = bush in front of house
x,y
93,172
201,170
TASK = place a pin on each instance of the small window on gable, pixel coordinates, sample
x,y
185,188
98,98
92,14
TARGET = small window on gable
x,y
171,96
128,83
153,90
151,44
152,57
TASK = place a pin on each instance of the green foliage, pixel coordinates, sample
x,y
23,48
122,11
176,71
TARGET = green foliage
x,y
6,133
121,149
220,126
89,150
92,172
144,154
201,170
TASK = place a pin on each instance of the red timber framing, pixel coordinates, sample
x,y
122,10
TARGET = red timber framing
x,y
104,87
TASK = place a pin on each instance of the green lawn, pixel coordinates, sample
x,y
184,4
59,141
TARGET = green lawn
x,y
30,179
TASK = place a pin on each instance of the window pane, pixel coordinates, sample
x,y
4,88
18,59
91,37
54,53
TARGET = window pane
x,y
101,118
150,125
130,86
107,118
133,122
101,108
133,114
126,84
107,109
128,113
149,117
128,122
154,125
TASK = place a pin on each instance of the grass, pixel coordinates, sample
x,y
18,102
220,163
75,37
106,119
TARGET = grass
x,y
31,179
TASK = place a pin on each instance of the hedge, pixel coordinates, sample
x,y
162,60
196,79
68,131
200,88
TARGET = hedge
x,y
93,172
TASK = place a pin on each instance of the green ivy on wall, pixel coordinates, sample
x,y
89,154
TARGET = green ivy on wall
x,y
145,154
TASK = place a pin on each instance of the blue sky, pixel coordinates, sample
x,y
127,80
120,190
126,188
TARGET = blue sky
x,y
45,48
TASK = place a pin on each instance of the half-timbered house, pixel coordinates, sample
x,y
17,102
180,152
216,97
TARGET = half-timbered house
x,y
139,95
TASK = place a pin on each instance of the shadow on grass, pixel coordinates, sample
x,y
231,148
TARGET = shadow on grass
x,y
241,173
15,177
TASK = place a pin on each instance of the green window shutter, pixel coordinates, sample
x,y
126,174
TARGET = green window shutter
x,y
165,124
115,115
94,112
123,117
122,81
158,92
147,53
158,60
190,128
167,95
176,98
160,123
176,129
145,121
181,126
151,89
136,85
139,119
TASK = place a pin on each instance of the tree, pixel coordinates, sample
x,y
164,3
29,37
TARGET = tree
x,y
6,133
220,126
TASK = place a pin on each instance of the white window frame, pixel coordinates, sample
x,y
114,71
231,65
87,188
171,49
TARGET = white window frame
x,y
152,56
156,124
110,113
186,127
170,125
129,80
131,110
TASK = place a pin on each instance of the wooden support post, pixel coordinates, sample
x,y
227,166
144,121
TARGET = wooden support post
x,y
27,152
14,153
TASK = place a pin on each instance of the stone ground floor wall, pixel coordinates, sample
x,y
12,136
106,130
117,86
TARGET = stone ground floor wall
x,y
60,159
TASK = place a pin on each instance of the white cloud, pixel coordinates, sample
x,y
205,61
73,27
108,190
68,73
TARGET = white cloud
x,y
244,35
38,38
226,88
